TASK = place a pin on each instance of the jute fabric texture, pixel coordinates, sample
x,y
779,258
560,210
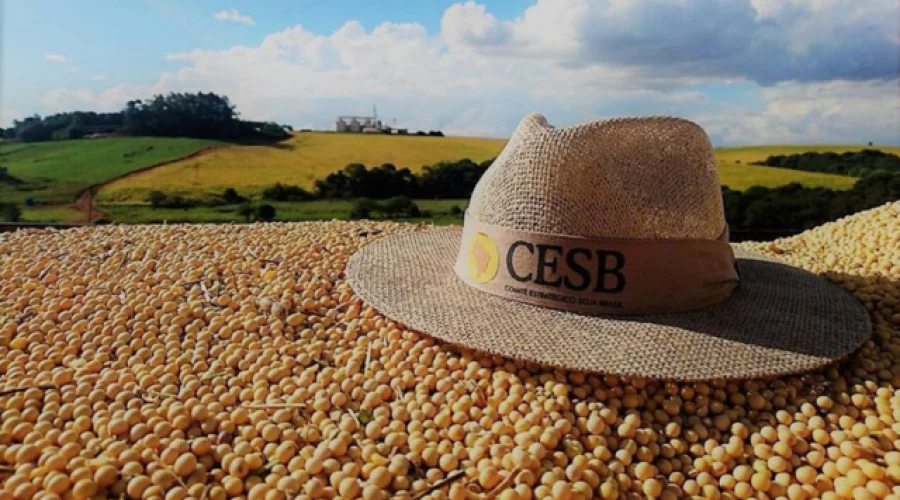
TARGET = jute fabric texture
x,y
640,179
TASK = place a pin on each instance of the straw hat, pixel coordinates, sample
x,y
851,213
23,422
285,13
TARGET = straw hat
x,y
603,247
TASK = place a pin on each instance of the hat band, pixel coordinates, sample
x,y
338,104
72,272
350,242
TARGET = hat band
x,y
596,276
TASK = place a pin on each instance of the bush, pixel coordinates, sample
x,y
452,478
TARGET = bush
x,y
231,197
281,192
247,212
265,212
363,208
456,210
157,199
10,212
398,206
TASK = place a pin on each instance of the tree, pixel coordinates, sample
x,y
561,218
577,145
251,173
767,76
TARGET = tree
x,y
157,199
246,211
266,212
281,192
231,197
363,208
10,212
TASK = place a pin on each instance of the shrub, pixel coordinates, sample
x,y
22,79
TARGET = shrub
x,y
157,199
282,192
231,197
363,208
265,212
398,206
10,212
246,211
456,210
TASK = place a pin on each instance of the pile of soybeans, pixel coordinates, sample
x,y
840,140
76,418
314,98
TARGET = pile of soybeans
x,y
233,361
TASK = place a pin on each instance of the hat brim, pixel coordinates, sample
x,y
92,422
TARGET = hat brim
x,y
781,319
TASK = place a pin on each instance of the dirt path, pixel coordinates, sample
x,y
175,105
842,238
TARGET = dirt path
x,y
84,200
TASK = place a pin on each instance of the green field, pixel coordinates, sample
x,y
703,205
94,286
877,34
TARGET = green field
x,y
300,160
312,210
55,172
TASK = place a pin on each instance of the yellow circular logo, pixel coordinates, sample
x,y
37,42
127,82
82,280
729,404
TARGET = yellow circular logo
x,y
483,258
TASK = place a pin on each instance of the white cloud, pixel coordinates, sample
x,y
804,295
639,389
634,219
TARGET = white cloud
x,y
57,58
111,99
795,113
98,78
234,16
480,74
762,40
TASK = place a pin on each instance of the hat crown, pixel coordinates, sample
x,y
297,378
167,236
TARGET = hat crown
x,y
629,178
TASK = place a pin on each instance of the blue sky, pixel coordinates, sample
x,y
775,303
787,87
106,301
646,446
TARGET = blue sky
x,y
749,71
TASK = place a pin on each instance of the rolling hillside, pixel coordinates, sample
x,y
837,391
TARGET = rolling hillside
x,y
310,156
55,172
299,161
736,171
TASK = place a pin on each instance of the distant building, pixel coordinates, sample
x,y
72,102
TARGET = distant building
x,y
356,124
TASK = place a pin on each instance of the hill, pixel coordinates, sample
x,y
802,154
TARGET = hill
x,y
736,171
307,157
300,160
55,172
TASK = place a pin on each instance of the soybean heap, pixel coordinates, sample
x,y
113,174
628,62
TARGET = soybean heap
x,y
208,362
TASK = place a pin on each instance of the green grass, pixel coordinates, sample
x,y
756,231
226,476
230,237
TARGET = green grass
x,y
52,213
54,172
310,210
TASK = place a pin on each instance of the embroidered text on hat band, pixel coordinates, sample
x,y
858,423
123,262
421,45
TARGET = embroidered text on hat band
x,y
598,277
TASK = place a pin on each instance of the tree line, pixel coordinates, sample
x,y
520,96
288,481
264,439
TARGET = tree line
x,y
444,180
201,115
787,208
855,163
796,207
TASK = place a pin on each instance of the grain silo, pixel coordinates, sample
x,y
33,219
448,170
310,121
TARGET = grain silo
x,y
354,126
340,125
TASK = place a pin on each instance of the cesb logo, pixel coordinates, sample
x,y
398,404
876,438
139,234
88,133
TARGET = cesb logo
x,y
483,258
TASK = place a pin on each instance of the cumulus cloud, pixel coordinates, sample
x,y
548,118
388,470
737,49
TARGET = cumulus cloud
x,y
111,99
767,41
839,111
234,16
57,58
481,74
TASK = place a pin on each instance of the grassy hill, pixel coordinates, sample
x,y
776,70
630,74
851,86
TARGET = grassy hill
x,y
310,156
736,171
300,161
54,172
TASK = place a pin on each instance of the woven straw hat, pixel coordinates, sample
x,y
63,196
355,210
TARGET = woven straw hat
x,y
603,247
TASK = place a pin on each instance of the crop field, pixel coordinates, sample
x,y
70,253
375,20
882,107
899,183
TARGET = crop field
x,y
54,172
300,161
736,171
